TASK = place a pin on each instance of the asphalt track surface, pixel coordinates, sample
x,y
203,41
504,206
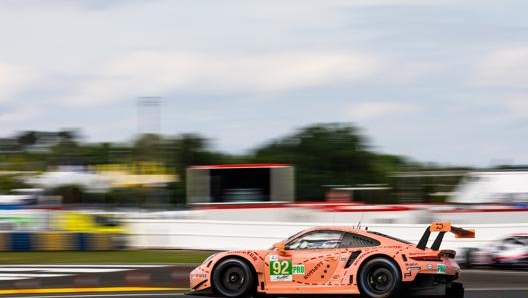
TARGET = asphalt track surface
x,y
171,281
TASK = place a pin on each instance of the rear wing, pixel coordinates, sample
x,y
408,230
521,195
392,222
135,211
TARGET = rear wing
x,y
442,227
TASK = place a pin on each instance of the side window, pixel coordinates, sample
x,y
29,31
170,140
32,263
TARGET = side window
x,y
316,240
355,240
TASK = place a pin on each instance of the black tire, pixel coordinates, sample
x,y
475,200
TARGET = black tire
x,y
455,290
233,278
379,278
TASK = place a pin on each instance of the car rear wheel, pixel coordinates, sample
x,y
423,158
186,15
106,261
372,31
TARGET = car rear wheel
x,y
379,278
233,278
455,290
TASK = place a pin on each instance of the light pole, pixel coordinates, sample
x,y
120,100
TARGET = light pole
x,y
149,115
149,122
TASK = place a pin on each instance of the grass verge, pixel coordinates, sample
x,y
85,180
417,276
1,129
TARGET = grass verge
x,y
105,257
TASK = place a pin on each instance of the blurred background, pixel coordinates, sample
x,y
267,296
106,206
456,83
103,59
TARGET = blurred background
x,y
116,113
328,162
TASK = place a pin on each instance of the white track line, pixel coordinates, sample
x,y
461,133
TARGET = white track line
x,y
7,276
145,294
65,270
483,271
84,270
495,289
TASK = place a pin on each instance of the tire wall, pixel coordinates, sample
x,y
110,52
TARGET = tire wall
x,y
61,241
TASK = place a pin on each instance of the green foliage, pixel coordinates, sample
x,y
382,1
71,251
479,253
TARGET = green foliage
x,y
124,196
71,194
328,154
322,154
9,182
147,148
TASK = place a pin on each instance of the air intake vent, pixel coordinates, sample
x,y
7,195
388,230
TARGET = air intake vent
x,y
352,258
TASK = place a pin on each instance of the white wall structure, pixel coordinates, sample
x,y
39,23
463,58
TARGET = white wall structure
x,y
351,214
492,187
228,235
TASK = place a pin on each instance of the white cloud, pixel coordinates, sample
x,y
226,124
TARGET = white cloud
x,y
153,73
506,67
376,109
13,80
517,107
396,2
20,114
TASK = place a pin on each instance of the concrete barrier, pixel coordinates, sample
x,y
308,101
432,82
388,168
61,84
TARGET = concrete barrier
x,y
227,235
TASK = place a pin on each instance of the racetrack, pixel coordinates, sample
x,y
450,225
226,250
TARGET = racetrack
x,y
471,294
171,281
487,283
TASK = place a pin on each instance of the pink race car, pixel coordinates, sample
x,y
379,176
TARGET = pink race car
x,y
335,260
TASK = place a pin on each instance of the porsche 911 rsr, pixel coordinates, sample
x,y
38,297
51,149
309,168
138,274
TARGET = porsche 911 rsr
x,y
335,260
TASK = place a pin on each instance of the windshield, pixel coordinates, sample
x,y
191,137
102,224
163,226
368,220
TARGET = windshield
x,y
316,240
289,238
293,236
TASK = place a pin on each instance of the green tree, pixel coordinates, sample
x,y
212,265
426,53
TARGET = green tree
x,y
148,148
185,151
327,154
67,151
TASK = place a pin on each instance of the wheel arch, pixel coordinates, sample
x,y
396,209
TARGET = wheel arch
x,y
238,257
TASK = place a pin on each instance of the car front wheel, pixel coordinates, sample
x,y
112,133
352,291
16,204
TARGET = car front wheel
x,y
233,278
379,278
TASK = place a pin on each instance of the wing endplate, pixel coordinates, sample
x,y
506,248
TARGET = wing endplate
x,y
442,228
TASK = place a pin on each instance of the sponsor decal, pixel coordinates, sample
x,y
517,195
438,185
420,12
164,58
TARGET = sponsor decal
x,y
441,268
298,269
313,270
281,277
335,276
281,270
198,275
430,267
274,258
409,268
251,254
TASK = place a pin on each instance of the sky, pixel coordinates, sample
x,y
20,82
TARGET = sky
x,y
435,81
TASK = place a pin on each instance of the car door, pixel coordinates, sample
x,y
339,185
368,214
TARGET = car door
x,y
306,263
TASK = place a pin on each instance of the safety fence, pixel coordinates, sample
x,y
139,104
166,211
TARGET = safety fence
x,y
61,241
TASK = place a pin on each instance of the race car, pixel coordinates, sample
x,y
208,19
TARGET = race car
x,y
336,260
511,251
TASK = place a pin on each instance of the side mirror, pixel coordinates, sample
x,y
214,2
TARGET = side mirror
x,y
280,246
